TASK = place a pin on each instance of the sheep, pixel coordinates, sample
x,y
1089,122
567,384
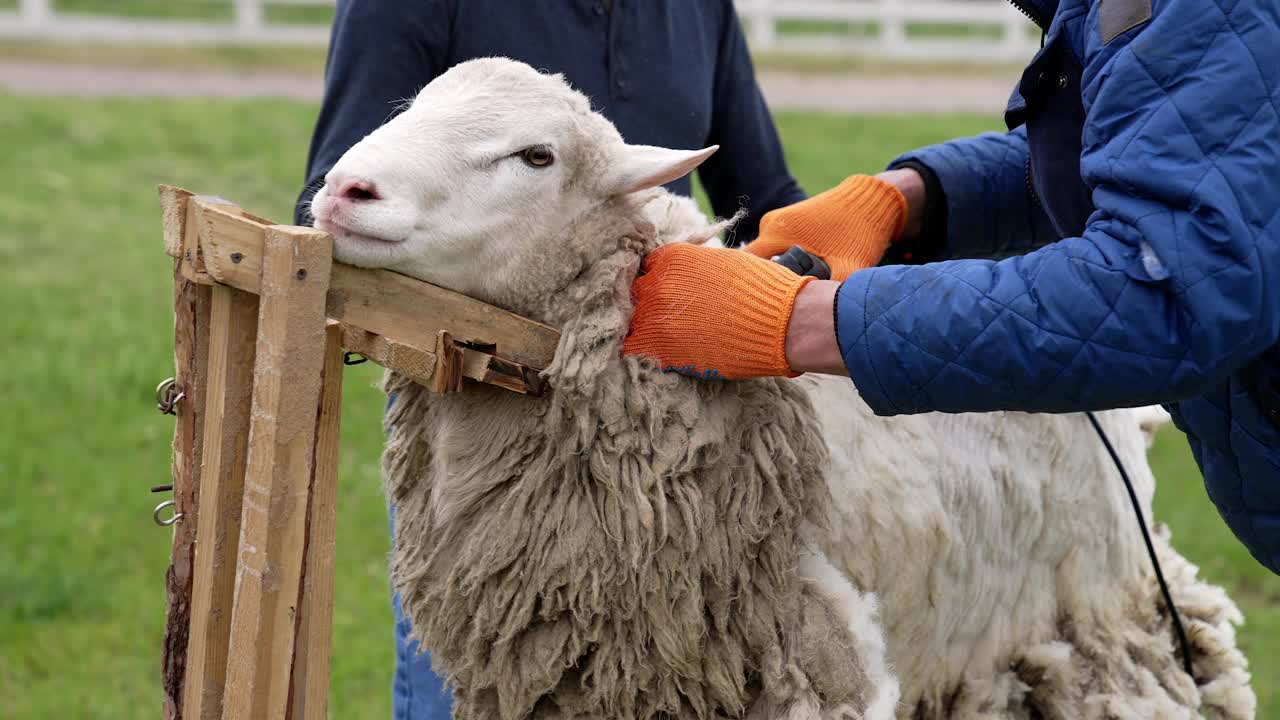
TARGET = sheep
x,y
641,544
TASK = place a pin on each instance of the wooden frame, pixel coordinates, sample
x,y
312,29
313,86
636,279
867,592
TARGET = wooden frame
x,y
263,320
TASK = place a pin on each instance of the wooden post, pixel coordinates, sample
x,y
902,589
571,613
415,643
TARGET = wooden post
x,y
191,318
291,341
310,692
233,331
191,309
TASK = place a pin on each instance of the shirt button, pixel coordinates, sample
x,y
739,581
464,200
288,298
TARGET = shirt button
x,y
1063,82
598,9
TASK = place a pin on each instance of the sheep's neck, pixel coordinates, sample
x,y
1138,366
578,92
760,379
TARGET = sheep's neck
x,y
547,279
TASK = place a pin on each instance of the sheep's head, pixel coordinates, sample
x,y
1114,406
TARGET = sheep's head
x,y
474,185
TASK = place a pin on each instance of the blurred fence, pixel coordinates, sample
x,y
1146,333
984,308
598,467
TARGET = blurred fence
x,y
983,30
158,23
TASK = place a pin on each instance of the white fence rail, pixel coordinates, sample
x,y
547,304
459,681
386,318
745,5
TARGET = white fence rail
x,y
983,30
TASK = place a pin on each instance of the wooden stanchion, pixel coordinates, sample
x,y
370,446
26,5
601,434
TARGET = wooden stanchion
x,y
263,315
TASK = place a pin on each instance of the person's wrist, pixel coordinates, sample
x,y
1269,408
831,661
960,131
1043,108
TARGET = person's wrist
x,y
913,188
811,344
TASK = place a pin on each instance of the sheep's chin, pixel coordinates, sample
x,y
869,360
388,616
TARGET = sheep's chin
x,y
364,250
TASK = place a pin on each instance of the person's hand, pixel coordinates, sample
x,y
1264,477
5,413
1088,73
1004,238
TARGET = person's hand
x,y
714,313
848,227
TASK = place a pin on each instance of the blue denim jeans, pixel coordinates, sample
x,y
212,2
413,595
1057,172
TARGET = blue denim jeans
x,y
417,693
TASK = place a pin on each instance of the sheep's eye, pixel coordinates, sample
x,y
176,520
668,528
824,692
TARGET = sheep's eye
x,y
538,156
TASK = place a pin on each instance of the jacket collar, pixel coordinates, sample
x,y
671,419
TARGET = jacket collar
x,y
1041,11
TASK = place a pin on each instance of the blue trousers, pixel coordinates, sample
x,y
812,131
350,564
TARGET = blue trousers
x,y
417,693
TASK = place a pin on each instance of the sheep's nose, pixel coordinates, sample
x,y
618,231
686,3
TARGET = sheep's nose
x,y
354,189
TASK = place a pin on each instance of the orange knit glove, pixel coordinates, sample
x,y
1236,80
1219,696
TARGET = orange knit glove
x,y
848,226
713,313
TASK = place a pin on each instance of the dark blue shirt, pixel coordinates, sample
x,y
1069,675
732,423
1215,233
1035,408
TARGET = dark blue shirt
x,y
674,73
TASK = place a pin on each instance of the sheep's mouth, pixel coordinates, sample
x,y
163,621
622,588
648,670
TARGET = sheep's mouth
x,y
346,234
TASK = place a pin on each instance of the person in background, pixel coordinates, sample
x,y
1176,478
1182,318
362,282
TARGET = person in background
x,y
674,73
1145,138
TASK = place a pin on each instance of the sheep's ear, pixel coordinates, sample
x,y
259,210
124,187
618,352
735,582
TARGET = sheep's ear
x,y
644,166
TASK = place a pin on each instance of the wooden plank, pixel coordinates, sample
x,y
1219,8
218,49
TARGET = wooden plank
x,y
417,365
233,330
421,366
415,312
491,370
231,246
448,374
290,356
379,301
193,264
173,213
310,691
191,303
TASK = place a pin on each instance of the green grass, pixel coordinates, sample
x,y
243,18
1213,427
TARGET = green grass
x,y
85,292
193,10
300,14
871,29
173,9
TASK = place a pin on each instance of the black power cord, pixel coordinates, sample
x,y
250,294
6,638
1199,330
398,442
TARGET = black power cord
x,y
1151,548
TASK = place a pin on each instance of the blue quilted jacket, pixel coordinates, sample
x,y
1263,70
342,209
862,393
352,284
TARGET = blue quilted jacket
x,y
1146,144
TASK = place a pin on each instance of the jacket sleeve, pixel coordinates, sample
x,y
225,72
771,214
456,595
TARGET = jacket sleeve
x,y
381,53
987,208
749,170
1170,289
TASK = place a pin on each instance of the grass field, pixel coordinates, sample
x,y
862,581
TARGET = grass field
x,y
85,293
194,10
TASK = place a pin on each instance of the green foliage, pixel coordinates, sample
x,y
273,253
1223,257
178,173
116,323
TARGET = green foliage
x,y
194,10
86,298
175,9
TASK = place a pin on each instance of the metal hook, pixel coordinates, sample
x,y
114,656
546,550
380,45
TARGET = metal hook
x,y
346,358
166,400
155,514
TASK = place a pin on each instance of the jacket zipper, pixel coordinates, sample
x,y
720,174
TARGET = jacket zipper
x,y
1017,4
1031,185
